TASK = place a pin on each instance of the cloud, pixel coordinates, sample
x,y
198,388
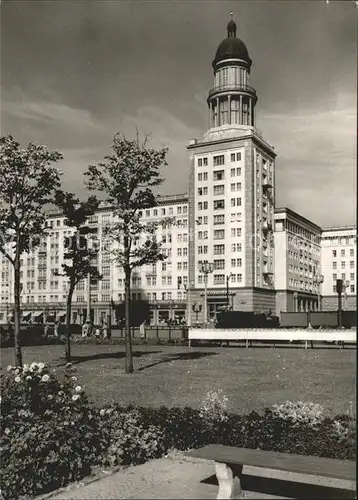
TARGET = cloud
x,y
52,113
315,166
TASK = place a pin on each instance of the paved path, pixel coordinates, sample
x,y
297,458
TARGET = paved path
x,y
177,476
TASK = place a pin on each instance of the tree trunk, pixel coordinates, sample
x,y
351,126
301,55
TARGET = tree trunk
x,y
127,292
17,345
68,325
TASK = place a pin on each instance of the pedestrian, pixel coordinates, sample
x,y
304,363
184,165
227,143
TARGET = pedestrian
x,y
142,330
97,331
46,330
85,329
56,327
105,329
90,328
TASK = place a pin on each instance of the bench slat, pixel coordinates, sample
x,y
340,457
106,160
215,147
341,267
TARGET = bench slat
x,y
317,466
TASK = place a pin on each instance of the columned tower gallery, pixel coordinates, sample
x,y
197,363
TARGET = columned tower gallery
x,y
231,193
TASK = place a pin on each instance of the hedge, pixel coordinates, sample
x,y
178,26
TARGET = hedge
x,y
52,435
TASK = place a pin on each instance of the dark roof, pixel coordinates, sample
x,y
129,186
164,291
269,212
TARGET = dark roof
x,y
232,47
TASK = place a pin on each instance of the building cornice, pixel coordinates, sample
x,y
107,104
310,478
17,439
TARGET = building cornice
x,y
295,217
254,137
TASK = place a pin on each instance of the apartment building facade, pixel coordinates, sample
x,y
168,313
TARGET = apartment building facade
x,y
298,276
163,284
339,261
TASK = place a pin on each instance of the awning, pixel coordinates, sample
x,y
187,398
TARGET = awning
x,y
39,317
26,315
62,317
51,318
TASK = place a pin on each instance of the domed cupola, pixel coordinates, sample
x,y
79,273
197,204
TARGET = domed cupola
x,y
232,101
232,48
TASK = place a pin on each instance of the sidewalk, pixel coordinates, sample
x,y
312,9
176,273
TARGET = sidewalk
x,y
177,476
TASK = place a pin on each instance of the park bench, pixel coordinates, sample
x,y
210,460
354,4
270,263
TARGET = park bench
x,y
229,463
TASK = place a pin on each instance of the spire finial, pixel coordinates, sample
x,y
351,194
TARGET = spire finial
x,y
231,27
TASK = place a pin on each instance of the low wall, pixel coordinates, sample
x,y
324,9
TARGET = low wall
x,y
271,334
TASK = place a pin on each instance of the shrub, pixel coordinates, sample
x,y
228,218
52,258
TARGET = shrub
x,y
49,435
299,412
126,438
214,407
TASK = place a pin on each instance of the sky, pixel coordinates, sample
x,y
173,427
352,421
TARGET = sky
x,y
73,73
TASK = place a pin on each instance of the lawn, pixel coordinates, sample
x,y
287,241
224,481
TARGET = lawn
x,y
252,379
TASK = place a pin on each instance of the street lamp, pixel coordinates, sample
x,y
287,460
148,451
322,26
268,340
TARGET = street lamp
x,y
188,287
345,286
206,268
318,280
227,291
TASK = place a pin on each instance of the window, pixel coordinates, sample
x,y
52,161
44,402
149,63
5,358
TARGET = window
x,y
219,264
235,156
343,276
202,191
219,234
351,264
106,285
219,190
218,175
200,177
218,160
334,277
334,253
179,209
219,204
205,177
351,276
334,265
219,279
334,289
343,264
219,219
219,249
352,288
200,162
239,278
343,253
351,252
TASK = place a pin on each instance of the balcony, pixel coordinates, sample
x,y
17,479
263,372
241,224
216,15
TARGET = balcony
x,y
232,88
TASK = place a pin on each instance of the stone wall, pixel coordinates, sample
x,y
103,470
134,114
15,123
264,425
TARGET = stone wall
x,y
330,303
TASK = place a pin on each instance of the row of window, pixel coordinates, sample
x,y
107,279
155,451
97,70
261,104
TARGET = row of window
x,y
334,240
219,189
343,252
219,159
343,276
351,288
219,204
343,264
219,219
234,172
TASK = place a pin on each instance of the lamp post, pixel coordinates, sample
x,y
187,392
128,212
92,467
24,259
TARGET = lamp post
x,y
227,291
345,286
206,268
188,287
318,280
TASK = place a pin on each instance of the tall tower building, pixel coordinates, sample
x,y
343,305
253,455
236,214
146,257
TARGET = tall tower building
x,y
231,195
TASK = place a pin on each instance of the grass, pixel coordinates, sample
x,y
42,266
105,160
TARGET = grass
x,y
252,379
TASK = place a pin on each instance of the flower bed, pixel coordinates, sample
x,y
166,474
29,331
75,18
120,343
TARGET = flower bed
x,y
52,435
